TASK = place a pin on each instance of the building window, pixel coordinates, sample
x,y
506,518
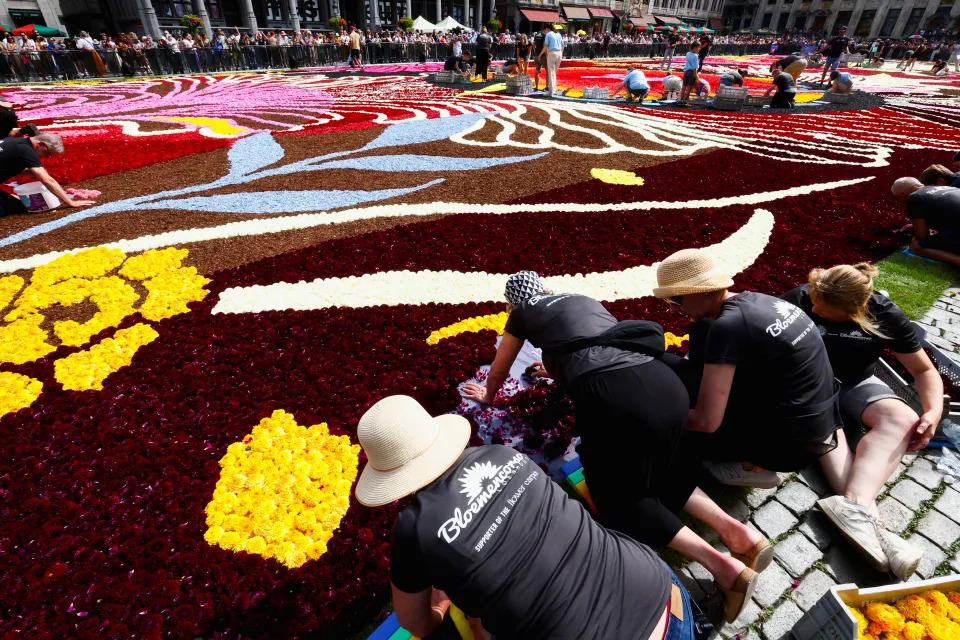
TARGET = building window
x,y
866,21
801,23
213,9
913,22
22,18
765,23
172,8
309,11
889,22
843,18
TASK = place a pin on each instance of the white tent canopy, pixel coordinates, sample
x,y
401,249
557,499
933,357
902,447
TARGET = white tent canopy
x,y
422,24
449,24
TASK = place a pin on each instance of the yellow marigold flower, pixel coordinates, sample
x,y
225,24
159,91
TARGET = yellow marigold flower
x,y
17,392
152,263
213,535
941,605
913,607
88,264
170,292
861,621
615,176
215,519
883,617
954,597
114,299
88,369
9,287
23,340
288,511
914,631
495,322
256,544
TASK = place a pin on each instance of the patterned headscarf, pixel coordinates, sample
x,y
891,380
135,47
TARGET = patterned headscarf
x,y
522,286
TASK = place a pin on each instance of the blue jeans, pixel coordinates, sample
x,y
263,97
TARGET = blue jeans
x,y
832,64
677,630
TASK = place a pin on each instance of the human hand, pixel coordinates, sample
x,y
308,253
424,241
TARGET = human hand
x,y
537,370
476,392
80,203
439,602
924,429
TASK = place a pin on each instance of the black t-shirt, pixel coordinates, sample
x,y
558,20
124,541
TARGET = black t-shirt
x,y
673,39
538,43
523,50
853,352
552,320
452,63
483,41
837,46
781,360
783,63
939,206
508,546
16,156
785,84
955,180
510,62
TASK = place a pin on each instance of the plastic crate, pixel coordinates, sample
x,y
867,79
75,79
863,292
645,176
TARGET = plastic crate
x,y
501,77
830,619
445,77
757,101
520,86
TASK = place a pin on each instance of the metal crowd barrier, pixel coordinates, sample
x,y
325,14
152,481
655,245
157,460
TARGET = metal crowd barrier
x,y
76,64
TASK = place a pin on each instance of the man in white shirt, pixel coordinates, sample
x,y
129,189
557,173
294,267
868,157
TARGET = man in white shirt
x,y
84,41
553,49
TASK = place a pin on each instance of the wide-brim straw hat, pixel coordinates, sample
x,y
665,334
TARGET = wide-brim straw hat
x,y
406,448
690,271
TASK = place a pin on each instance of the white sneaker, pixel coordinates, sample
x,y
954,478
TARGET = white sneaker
x,y
858,526
902,556
734,474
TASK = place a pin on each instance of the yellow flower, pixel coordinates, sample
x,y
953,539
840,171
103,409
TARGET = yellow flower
x,y
884,616
23,340
615,176
495,322
152,263
17,391
278,511
171,291
9,287
914,631
87,370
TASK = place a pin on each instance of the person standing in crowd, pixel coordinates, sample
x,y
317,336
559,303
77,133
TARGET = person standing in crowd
x,y
19,154
635,84
85,44
484,42
456,48
842,82
938,175
764,397
690,73
935,217
630,413
355,57
605,45
540,61
529,564
553,51
857,325
672,40
836,47
786,90
523,52
704,50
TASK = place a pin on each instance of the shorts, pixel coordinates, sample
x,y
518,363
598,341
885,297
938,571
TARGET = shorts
x,y
639,93
541,63
832,64
690,78
354,55
948,240
796,68
854,400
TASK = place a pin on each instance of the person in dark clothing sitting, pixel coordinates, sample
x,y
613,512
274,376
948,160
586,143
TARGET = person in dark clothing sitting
x,y
23,154
786,90
934,217
937,175
763,389
631,410
460,64
487,530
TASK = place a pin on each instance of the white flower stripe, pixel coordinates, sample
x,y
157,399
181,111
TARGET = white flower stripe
x,y
733,255
281,224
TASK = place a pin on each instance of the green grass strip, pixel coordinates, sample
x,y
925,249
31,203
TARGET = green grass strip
x,y
914,284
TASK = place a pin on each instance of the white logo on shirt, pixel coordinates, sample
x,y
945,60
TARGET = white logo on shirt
x,y
790,314
478,494
854,334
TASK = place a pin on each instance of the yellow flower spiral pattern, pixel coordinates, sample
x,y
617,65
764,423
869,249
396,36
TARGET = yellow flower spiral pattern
x,y
108,279
282,491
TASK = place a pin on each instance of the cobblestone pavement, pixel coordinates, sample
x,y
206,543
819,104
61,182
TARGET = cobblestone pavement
x,y
942,323
810,553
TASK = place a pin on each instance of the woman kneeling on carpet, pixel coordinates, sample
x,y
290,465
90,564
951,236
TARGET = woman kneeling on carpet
x,y
631,410
489,531
857,324
758,374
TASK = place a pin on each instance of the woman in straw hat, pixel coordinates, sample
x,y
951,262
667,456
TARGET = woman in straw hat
x,y
487,530
631,410
764,390
857,325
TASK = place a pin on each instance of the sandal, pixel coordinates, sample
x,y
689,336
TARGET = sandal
x,y
758,557
737,598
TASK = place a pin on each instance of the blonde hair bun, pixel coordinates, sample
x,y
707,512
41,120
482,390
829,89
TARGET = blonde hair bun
x,y
847,288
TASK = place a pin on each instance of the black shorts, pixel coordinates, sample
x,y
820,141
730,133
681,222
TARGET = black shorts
x,y
638,93
10,204
948,240
354,54
541,63
690,78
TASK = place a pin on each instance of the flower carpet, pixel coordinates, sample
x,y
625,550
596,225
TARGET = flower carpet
x,y
183,365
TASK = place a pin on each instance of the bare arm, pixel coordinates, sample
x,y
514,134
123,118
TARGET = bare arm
x,y
930,389
41,174
499,371
920,228
712,401
420,613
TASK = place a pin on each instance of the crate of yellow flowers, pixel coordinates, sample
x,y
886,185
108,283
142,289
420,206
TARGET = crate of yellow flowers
x,y
925,610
